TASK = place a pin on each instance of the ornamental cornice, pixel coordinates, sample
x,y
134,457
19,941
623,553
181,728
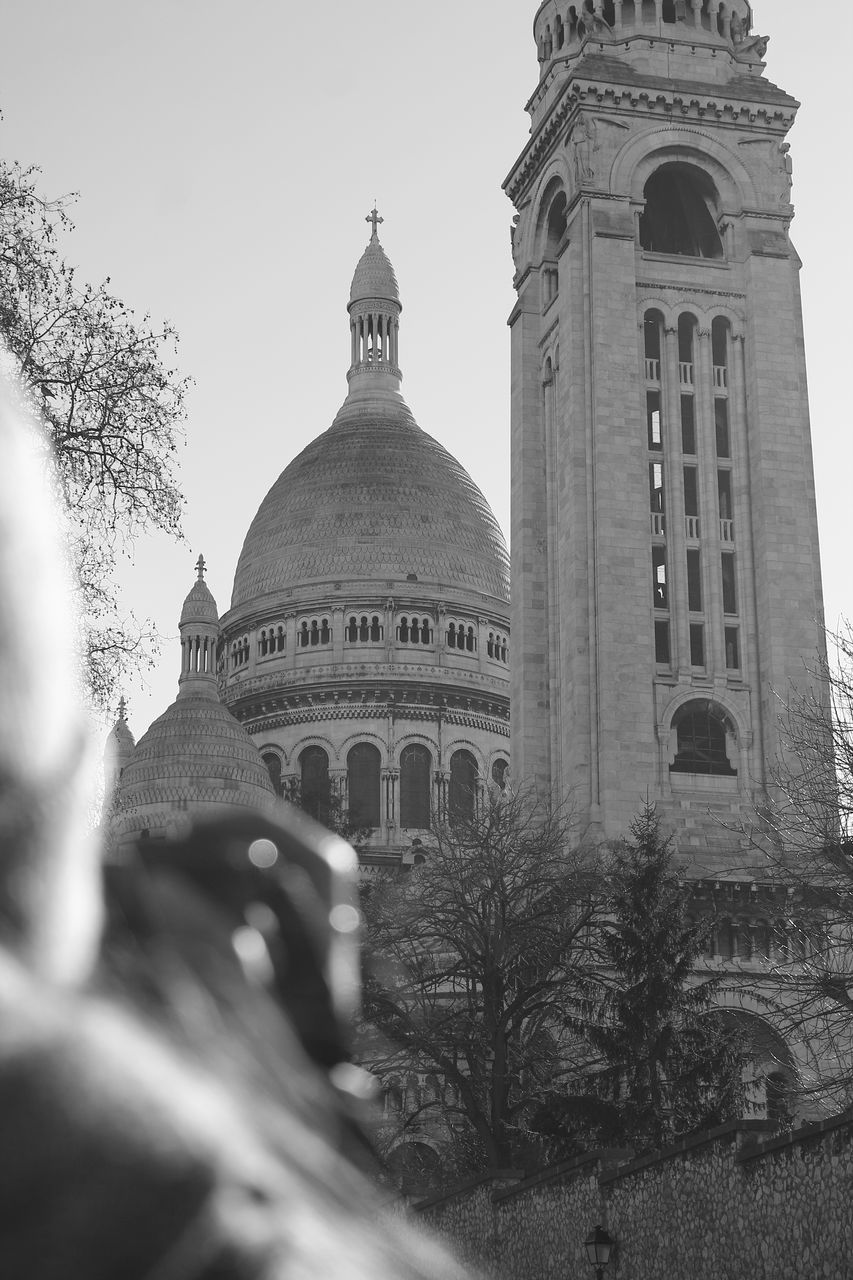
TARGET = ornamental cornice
x,y
712,102
372,712
680,288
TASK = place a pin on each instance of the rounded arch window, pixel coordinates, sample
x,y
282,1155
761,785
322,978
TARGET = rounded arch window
x,y
415,785
273,764
314,779
462,800
704,740
363,773
499,770
680,214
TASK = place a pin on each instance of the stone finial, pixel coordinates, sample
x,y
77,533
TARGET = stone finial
x,y
122,708
201,567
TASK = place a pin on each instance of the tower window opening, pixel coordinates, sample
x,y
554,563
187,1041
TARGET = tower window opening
x,y
415,782
724,488
262,645
669,14
697,644
315,633
729,584
721,427
653,420
694,583
662,650
364,629
660,585
451,636
499,772
628,14
363,784
652,325
649,12
688,424
720,330
686,333
702,746
560,32
403,631
691,500
325,632
678,217
279,640
656,496
610,13
375,629
470,640
732,640
352,631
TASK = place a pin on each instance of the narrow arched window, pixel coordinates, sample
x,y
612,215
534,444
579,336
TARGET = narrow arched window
x,y
280,640
451,636
352,631
471,641
404,631
415,786
363,781
364,630
325,632
375,629
462,798
304,638
315,788
499,769
273,764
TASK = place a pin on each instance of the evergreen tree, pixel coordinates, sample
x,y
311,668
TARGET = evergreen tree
x,y
667,1063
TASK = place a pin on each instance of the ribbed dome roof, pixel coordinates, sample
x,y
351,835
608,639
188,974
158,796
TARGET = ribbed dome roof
x,y
374,498
195,752
200,605
374,276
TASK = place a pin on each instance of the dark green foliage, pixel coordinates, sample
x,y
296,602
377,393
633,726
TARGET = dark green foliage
x,y
665,1064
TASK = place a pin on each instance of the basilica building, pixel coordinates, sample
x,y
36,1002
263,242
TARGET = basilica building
x,y
363,666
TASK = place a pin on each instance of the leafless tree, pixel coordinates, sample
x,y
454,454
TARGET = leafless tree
x,y
95,376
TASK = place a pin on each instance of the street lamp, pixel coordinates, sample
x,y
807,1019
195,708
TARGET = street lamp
x,y
598,1248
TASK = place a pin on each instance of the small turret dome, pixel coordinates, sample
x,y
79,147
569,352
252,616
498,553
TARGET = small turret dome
x,y
374,276
200,605
196,759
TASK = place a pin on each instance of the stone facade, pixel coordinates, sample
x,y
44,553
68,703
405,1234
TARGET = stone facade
x,y
732,1203
664,536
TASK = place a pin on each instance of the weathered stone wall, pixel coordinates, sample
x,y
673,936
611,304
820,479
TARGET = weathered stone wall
x,y
733,1204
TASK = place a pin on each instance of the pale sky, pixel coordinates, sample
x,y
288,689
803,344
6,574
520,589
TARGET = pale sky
x,y
226,156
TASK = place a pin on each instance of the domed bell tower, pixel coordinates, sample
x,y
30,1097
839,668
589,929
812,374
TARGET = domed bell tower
x,y
665,567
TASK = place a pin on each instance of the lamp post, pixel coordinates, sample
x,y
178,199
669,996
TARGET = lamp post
x,y
598,1247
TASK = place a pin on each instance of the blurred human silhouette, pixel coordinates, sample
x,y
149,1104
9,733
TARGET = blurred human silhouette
x,y
189,1113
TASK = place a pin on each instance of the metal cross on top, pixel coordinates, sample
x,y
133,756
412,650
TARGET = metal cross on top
x,y
202,568
374,217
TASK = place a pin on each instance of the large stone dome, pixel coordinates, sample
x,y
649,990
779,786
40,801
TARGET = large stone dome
x,y
373,499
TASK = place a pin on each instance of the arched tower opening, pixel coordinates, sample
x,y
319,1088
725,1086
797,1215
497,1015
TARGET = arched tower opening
x,y
681,213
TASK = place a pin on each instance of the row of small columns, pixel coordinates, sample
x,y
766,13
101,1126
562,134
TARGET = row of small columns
x,y
339,617
198,655
389,780
380,328
620,25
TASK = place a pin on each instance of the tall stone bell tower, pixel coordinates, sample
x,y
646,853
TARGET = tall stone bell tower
x,y
665,564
